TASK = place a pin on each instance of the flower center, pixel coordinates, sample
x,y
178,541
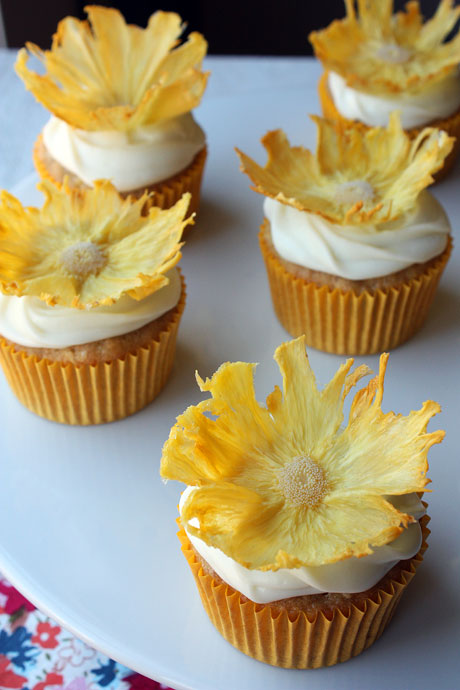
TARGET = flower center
x,y
393,53
83,259
353,191
303,482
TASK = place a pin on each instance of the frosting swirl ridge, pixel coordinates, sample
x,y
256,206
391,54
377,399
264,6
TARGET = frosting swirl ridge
x,y
30,322
359,252
130,159
348,576
416,109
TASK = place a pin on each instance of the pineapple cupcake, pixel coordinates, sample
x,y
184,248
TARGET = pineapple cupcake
x,y
90,301
353,244
120,99
301,534
376,62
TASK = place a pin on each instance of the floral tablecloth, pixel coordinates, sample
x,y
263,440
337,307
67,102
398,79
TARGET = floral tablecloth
x,y
37,654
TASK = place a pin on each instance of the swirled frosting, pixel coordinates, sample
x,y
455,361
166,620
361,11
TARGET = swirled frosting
x,y
417,108
30,322
348,576
358,252
131,160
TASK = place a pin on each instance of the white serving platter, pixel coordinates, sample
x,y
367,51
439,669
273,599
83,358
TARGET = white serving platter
x,y
87,529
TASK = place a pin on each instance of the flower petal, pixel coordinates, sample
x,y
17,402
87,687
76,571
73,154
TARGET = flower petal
x,y
224,436
350,46
305,415
384,161
236,453
106,74
220,510
138,250
346,526
380,453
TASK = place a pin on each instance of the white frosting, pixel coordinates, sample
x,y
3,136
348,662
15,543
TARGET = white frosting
x,y
30,322
357,252
131,160
417,108
348,576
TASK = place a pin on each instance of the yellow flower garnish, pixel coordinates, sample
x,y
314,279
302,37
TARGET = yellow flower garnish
x,y
378,52
104,74
285,485
354,177
86,248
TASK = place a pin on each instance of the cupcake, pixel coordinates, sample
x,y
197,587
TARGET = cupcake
x,y
90,301
353,244
302,534
120,99
376,62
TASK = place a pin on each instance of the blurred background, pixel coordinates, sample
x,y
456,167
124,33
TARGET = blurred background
x,y
240,27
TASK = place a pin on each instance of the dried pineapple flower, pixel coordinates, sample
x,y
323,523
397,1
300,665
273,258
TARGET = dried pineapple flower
x,y
86,248
104,74
379,52
354,177
285,485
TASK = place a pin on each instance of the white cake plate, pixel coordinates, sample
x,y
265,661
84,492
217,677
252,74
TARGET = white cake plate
x,y
87,529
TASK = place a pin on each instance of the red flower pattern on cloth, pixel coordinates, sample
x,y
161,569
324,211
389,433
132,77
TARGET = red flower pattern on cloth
x,y
138,682
51,680
10,599
8,678
37,654
46,635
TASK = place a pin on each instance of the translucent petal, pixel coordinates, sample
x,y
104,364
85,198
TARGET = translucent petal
x,y
106,74
304,414
236,453
345,526
384,161
381,453
139,250
220,509
238,522
352,47
227,436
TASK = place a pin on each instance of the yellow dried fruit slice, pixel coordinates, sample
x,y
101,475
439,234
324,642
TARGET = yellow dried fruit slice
x,y
285,485
104,74
379,52
89,247
354,177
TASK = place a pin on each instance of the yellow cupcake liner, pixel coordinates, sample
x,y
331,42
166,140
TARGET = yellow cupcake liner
x,y
167,193
344,322
450,124
296,639
93,393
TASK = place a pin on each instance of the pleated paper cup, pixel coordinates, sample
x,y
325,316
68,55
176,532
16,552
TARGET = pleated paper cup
x,y
450,124
296,639
167,192
342,321
93,393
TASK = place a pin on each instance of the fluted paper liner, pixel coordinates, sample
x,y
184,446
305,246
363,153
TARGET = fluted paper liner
x,y
93,394
296,639
167,192
450,124
344,322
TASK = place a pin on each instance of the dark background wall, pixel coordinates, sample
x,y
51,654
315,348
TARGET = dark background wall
x,y
244,27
